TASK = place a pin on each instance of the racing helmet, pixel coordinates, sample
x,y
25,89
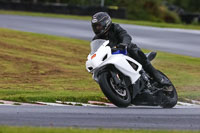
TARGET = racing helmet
x,y
101,23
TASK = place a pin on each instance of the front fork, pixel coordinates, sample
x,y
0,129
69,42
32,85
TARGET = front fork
x,y
116,78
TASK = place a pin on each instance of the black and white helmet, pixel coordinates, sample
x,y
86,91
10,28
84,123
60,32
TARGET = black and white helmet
x,y
101,23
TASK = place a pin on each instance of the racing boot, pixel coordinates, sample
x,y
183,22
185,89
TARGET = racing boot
x,y
156,75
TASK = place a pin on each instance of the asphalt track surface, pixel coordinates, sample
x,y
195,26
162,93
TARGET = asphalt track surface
x,y
178,41
186,42
181,118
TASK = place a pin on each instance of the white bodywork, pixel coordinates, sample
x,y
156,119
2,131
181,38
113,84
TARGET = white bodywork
x,y
95,61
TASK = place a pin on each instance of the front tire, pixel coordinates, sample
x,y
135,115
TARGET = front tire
x,y
120,100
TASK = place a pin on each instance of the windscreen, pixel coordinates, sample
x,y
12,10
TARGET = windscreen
x,y
95,45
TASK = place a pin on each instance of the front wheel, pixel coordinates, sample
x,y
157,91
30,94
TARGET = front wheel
x,y
120,96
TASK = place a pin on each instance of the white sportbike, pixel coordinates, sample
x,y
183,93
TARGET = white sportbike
x,y
123,80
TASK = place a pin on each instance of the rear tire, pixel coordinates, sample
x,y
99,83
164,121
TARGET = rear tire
x,y
111,94
171,97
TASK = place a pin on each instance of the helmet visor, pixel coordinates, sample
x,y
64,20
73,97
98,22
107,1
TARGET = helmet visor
x,y
97,28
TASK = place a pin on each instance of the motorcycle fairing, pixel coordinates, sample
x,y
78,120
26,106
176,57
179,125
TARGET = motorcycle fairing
x,y
120,62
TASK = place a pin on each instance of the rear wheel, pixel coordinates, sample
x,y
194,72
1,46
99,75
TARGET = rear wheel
x,y
118,95
169,95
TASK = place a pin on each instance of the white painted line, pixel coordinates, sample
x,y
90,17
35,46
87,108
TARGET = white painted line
x,y
77,104
194,104
51,104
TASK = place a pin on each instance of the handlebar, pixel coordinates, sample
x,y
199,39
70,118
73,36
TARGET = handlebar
x,y
119,51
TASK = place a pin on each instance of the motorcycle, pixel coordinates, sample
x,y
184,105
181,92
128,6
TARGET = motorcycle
x,y
123,80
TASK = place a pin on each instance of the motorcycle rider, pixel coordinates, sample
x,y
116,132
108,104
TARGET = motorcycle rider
x,y
104,29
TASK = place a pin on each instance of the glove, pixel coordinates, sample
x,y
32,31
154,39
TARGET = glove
x,y
122,46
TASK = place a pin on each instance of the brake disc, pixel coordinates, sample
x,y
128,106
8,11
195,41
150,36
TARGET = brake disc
x,y
117,89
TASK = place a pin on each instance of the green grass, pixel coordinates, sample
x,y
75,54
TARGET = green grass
x,y
37,67
7,129
135,22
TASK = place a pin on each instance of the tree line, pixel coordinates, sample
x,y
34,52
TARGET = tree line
x,y
152,10
189,5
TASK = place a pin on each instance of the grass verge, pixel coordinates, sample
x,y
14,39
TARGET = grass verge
x,y
135,22
37,67
7,129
